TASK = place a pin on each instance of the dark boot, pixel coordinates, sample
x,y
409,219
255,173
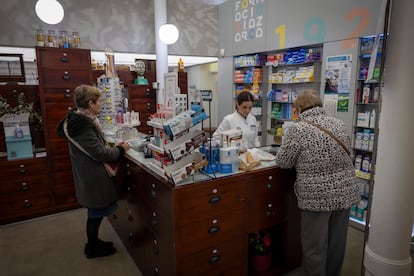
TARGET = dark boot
x,y
96,250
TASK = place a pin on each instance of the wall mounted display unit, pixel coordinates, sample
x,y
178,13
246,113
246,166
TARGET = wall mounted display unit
x,y
365,128
290,72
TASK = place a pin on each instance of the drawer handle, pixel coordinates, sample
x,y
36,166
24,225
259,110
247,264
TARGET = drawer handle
x,y
153,194
67,94
24,187
66,76
147,94
130,218
155,249
27,204
270,213
214,229
214,259
269,186
214,200
22,170
64,59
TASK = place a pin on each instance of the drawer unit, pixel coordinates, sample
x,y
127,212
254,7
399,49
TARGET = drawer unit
x,y
215,259
212,230
60,71
62,94
209,198
58,78
142,98
63,58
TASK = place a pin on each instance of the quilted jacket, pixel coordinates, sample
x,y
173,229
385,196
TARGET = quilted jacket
x,y
325,176
94,188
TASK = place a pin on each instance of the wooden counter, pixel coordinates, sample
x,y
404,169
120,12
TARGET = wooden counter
x,y
201,227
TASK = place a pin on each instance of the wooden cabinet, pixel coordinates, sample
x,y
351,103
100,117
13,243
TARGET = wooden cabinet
x,y
202,228
142,98
60,72
24,189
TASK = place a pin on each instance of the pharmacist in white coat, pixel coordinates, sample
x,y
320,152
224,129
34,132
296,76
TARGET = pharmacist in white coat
x,y
241,119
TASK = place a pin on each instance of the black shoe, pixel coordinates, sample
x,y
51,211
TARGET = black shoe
x,y
95,251
105,243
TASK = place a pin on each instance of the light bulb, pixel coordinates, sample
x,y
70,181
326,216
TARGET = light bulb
x,y
168,33
49,11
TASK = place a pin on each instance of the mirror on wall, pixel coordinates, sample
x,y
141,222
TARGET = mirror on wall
x,y
12,68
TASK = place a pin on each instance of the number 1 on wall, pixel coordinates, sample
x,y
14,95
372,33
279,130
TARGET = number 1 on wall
x,y
281,31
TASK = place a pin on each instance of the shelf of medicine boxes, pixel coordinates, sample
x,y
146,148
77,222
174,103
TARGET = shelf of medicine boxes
x,y
248,76
365,129
287,78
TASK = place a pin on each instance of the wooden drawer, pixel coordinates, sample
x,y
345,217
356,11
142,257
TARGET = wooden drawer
x,y
266,210
64,194
26,204
141,92
58,146
65,77
63,58
143,106
213,230
202,200
160,221
23,169
214,260
268,181
154,193
59,95
158,256
25,186
12,91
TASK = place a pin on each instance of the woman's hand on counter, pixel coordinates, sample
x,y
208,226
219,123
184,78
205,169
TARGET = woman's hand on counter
x,y
124,145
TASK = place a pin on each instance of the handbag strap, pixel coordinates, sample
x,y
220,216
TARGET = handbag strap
x,y
330,134
65,129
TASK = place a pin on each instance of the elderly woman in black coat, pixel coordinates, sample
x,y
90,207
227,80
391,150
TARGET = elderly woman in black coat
x,y
95,188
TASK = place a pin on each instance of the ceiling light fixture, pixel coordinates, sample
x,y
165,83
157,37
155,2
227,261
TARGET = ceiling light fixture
x,y
49,11
168,34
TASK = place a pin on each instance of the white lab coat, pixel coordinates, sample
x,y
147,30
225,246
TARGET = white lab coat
x,y
248,127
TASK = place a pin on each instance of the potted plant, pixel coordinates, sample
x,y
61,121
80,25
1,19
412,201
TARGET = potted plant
x,y
259,250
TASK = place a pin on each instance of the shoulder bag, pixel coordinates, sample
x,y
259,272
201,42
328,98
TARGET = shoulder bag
x,y
330,134
110,167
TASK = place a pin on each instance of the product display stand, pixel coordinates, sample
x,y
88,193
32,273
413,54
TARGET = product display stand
x,y
206,96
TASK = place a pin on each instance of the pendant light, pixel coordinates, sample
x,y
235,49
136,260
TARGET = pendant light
x,y
49,11
168,33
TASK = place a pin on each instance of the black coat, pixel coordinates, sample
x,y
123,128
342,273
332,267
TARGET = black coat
x,y
94,187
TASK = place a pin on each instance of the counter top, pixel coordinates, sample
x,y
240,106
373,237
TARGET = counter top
x,y
198,176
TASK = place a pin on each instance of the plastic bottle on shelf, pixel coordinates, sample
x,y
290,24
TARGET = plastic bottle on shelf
x,y
180,65
372,119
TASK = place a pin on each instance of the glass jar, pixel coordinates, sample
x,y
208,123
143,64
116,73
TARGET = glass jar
x,y
63,39
40,36
76,40
51,38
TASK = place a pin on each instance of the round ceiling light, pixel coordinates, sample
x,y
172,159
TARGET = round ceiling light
x,y
49,11
168,33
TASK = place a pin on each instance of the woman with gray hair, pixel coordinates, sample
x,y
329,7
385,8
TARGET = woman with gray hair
x,y
317,145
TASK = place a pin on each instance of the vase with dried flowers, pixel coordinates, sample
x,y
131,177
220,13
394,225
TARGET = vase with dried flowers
x,y
259,250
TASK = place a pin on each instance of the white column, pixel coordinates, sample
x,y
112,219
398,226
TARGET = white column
x,y
388,249
161,49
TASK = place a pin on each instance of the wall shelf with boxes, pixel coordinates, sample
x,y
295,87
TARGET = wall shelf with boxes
x,y
365,129
290,72
248,76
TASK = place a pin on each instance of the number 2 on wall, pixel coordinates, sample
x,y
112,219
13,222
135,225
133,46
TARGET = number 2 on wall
x,y
281,31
